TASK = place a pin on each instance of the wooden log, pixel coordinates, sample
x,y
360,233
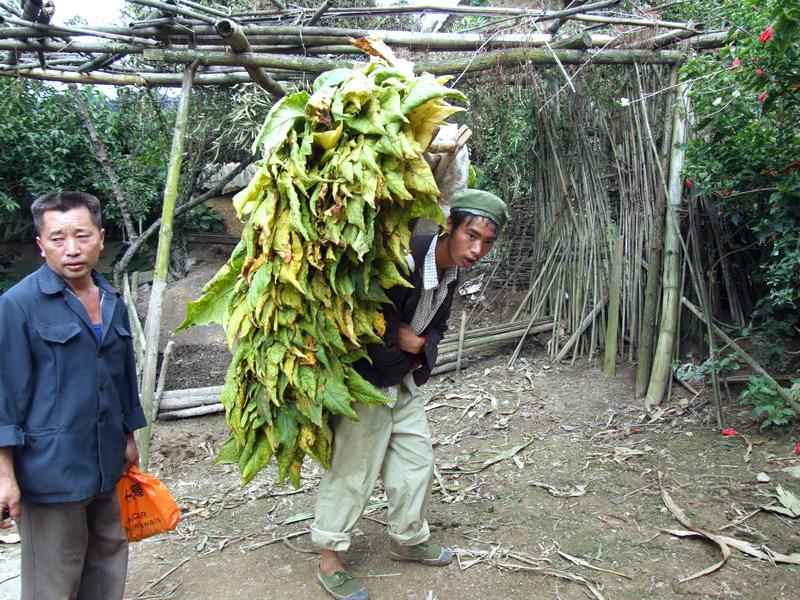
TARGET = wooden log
x,y
196,411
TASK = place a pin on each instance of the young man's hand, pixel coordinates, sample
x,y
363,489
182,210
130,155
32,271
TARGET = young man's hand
x,y
408,341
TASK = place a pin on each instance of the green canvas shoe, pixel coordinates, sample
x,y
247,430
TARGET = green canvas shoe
x,y
342,586
425,553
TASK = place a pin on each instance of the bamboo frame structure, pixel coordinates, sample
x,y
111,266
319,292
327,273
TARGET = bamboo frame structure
x,y
270,46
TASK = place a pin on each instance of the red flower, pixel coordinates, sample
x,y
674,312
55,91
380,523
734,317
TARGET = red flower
x,y
736,62
762,96
729,431
725,192
765,37
797,449
759,72
688,183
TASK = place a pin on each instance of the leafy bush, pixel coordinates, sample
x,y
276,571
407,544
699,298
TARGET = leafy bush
x,y
692,372
744,159
766,401
204,219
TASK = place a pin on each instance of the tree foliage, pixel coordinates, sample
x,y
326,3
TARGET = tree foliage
x,y
745,156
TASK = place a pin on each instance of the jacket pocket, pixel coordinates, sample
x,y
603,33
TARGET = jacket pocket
x,y
59,334
122,331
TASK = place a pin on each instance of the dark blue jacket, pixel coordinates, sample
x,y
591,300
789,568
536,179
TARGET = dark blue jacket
x,y
65,402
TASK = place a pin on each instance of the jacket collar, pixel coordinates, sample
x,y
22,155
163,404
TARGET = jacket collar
x,y
52,283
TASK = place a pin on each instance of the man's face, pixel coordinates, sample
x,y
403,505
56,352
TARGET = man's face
x,y
70,243
471,241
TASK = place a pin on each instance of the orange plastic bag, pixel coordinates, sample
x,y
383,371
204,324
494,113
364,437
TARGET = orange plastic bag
x,y
146,506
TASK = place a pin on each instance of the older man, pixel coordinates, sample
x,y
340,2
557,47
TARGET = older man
x,y
393,440
68,408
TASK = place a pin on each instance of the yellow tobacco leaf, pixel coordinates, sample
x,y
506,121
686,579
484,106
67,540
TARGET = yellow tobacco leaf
x,y
428,117
245,200
329,139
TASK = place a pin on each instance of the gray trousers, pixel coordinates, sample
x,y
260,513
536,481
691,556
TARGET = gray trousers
x,y
390,441
73,550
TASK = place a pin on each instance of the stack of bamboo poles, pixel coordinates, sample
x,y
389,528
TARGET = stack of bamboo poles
x,y
596,180
454,348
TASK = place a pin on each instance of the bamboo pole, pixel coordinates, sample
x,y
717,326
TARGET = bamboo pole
x,y
467,65
644,354
141,79
167,8
670,301
233,35
153,325
614,290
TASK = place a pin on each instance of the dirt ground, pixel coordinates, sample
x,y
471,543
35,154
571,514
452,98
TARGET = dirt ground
x,y
574,430
549,485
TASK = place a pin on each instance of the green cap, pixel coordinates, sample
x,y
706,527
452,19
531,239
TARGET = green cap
x,y
481,203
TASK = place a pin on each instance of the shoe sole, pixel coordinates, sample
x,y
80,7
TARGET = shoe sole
x,y
432,562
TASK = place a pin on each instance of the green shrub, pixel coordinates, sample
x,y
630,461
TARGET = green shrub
x,y
767,403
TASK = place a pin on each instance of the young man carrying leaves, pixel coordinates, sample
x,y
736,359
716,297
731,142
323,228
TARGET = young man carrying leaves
x,y
393,440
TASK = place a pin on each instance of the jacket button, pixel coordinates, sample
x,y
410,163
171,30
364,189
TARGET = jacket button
x,y
99,354
102,387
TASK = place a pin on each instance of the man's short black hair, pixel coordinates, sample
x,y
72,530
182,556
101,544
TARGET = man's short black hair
x,y
64,201
463,217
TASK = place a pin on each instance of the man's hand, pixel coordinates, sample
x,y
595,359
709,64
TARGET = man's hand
x,y
9,490
131,452
408,341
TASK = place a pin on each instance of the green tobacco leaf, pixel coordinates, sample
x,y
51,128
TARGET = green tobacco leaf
x,y
259,458
228,452
332,78
211,306
362,390
335,396
281,118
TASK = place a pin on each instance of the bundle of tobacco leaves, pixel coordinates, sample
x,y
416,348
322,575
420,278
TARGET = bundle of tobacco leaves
x,y
326,233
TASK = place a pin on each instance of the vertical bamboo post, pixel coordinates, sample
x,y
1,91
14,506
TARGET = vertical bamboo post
x,y
614,290
644,352
661,373
153,325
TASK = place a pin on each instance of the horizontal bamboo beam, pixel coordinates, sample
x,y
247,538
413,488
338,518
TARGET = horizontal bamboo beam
x,y
122,79
606,20
73,46
474,11
166,8
480,62
48,30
